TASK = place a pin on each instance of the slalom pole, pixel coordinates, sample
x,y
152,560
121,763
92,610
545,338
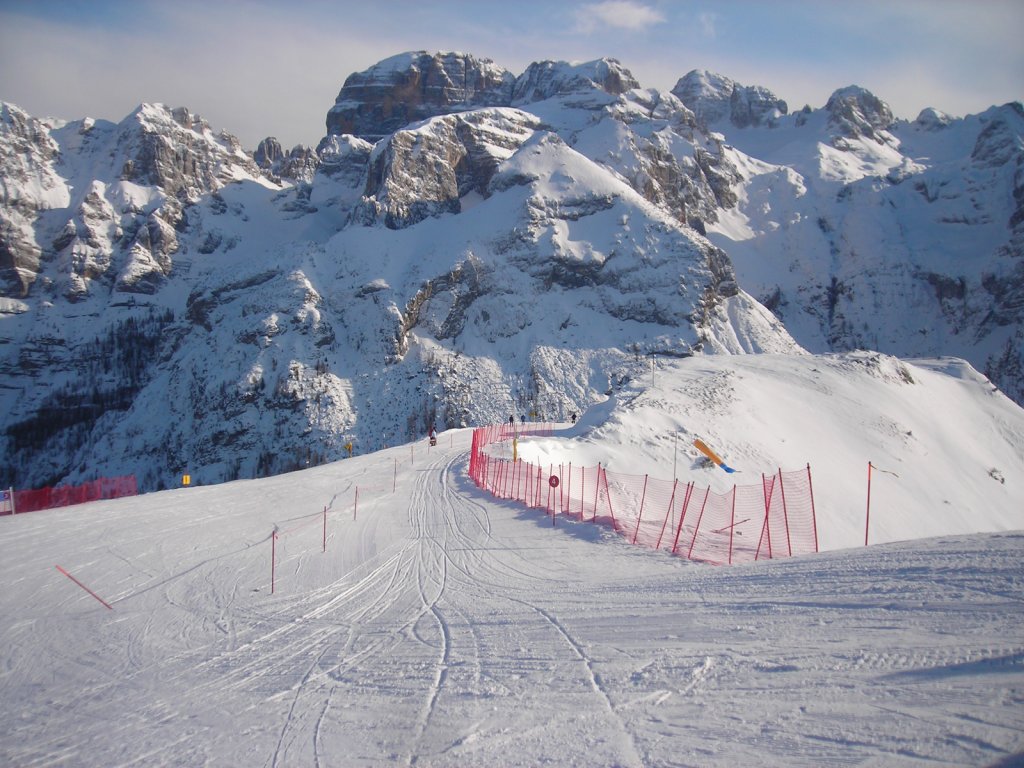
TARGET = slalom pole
x,y
325,528
355,505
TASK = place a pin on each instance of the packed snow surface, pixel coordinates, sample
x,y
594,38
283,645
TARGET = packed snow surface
x,y
442,627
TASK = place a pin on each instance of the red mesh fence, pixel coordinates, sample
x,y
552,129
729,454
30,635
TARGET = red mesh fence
x,y
66,495
774,518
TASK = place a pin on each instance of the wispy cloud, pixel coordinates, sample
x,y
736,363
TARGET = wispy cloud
x,y
707,22
617,14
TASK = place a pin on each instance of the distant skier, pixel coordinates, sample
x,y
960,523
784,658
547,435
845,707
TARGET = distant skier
x,y
433,435
573,417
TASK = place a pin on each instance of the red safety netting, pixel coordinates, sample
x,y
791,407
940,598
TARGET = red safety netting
x,y
775,518
66,495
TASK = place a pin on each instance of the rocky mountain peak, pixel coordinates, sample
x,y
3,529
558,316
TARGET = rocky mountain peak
x,y
714,98
931,119
1002,138
177,151
544,79
856,112
414,86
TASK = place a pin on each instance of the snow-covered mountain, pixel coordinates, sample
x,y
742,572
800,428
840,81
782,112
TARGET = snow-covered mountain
x,y
464,244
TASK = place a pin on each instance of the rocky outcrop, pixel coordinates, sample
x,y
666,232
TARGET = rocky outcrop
x,y
546,79
714,99
178,152
28,186
414,86
298,164
855,112
426,170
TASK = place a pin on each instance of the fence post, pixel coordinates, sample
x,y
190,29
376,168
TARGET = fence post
x,y
394,483
273,558
671,501
583,488
867,516
696,528
732,522
355,505
608,496
640,514
597,492
325,528
766,526
568,493
814,514
682,516
537,485
785,515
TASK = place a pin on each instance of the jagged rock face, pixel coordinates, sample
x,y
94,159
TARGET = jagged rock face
x,y
28,185
298,164
414,86
1000,141
855,112
545,79
714,98
425,171
176,151
119,228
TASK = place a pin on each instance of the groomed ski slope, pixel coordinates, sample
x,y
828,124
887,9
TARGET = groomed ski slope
x,y
442,628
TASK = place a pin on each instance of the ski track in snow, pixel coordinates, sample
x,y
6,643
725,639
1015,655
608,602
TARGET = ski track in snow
x,y
446,628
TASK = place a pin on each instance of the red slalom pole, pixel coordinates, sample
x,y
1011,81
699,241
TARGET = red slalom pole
x,y
83,586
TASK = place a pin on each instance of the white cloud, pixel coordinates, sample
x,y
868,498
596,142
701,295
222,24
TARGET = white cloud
x,y
707,24
618,14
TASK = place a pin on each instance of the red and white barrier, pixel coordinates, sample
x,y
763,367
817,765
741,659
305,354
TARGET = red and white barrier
x,y
775,518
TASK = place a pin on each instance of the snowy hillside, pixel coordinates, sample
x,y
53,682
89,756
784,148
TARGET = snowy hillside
x,y
415,620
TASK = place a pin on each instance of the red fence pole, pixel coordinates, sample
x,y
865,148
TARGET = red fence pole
x,y
640,514
785,516
597,491
671,501
608,494
700,517
766,526
732,522
682,516
83,586
867,516
814,515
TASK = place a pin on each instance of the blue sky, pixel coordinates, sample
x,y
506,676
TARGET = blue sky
x,y
258,68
